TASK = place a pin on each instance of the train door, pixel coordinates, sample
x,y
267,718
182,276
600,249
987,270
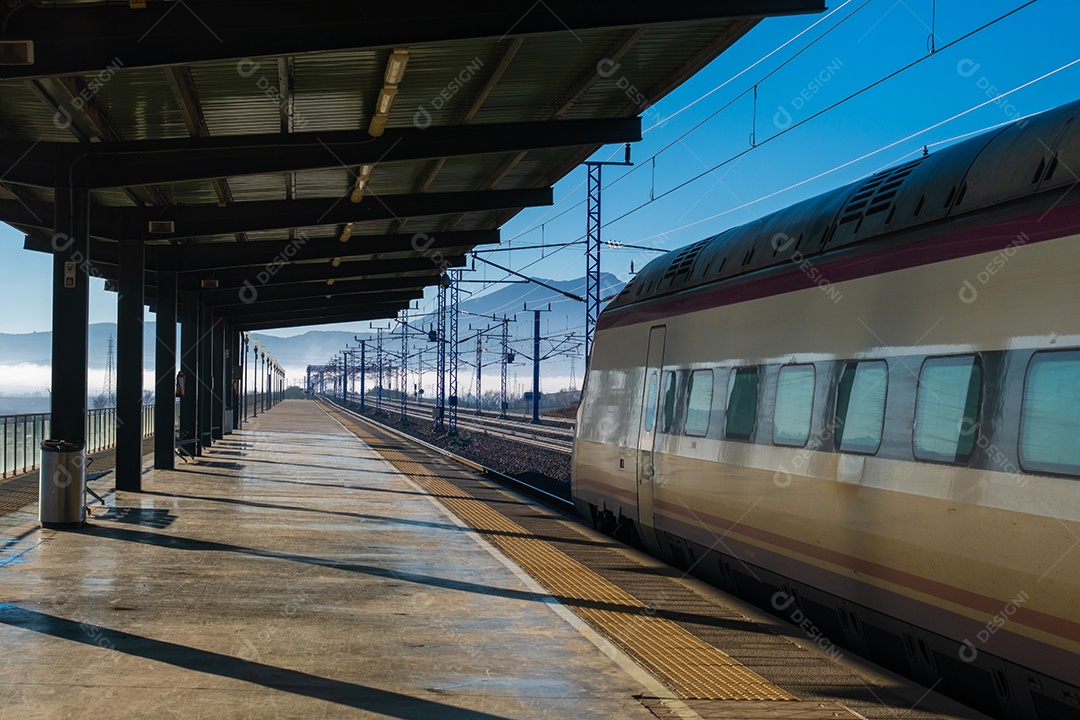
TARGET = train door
x,y
647,433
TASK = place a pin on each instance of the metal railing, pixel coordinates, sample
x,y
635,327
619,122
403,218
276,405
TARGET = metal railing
x,y
20,451
22,435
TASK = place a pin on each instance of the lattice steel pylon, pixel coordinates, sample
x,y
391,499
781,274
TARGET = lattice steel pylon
x,y
452,412
592,253
479,370
379,366
440,363
404,378
108,391
503,402
593,226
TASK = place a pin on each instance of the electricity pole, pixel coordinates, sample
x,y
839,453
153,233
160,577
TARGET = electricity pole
x,y
536,362
592,247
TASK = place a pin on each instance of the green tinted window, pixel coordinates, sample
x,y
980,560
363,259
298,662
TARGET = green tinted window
x,y
1050,420
742,403
947,409
794,405
699,403
669,402
650,401
860,406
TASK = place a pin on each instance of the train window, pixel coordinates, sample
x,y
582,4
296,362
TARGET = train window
x,y
794,405
860,406
669,402
1050,418
742,403
650,401
947,408
699,403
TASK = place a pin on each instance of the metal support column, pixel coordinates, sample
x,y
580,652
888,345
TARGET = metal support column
x,y
219,356
379,368
345,377
129,366
592,253
165,373
189,369
479,370
592,245
404,379
255,379
363,371
206,373
232,377
440,365
452,341
536,367
504,402
245,340
70,313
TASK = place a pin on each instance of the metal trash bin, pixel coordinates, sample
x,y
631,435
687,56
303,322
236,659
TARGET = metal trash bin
x,y
62,484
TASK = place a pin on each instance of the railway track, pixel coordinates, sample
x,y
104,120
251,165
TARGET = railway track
x,y
553,499
555,438
549,438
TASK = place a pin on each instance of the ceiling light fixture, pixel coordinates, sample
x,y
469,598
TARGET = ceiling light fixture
x,y
362,179
395,66
346,233
377,126
394,74
386,99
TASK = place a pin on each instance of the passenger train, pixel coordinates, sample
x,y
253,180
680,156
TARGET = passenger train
x,y
866,407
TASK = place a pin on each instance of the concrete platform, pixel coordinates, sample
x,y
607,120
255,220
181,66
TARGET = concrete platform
x,y
290,573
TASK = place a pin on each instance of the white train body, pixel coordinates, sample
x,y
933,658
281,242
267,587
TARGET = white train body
x,y
868,406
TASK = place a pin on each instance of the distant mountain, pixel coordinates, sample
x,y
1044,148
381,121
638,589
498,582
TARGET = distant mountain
x,y
315,347
36,348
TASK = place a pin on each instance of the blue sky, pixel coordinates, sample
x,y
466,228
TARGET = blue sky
x,y
880,37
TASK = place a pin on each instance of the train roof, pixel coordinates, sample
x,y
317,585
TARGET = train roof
x,y
1024,158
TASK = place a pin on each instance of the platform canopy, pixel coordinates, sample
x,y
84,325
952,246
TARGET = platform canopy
x,y
329,158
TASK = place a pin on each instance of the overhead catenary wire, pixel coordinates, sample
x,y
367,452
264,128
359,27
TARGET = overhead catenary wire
x,y
888,146
782,132
545,219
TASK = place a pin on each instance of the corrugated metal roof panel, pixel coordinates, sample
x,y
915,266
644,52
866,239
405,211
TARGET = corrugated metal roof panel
x,y
468,173
26,116
535,83
332,89
442,80
140,103
239,100
193,193
632,83
331,183
247,188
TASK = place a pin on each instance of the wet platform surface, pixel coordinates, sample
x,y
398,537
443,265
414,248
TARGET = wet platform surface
x,y
290,573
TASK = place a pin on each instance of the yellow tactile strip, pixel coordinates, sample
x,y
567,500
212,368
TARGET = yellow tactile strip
x,y
687,665
17,494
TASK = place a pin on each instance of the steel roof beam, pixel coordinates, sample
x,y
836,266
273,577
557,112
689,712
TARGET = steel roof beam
x,y
412,286
231,296
321,272
91,38
344,303
187,100
216,256
312,317
254,278
301,303
302,290
144,162
196,220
